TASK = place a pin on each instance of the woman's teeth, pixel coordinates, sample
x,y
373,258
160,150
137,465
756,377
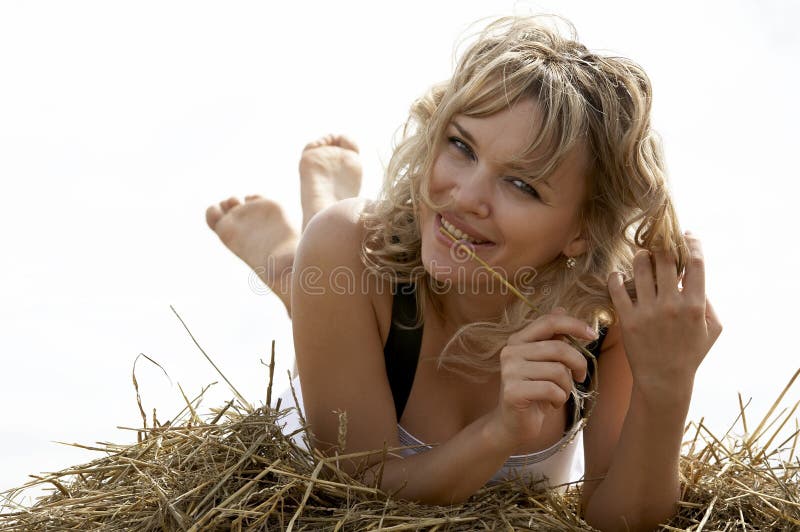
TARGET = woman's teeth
x,y
459,234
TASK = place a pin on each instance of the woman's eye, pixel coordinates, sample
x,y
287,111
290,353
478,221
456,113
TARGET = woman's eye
x,y
461,146
523,186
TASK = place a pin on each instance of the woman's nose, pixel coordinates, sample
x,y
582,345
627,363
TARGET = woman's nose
x,y
471,193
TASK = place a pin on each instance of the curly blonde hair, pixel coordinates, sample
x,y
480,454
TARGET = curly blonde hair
x,y
600,101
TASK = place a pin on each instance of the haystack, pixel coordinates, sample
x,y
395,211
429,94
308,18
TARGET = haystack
x,y
234,469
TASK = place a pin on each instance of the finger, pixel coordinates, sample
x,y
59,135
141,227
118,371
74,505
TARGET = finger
x,y
694,280
521,394
666,273
712,320
549,325
555,372
560,311
643,277
556,351
548,371
619,296
519,358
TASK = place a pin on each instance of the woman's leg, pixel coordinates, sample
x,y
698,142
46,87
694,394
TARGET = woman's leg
x,y
258,232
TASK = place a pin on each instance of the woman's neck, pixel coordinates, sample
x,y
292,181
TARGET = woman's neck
x,y
459,308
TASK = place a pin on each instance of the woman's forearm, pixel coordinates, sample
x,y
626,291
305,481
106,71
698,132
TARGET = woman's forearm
x,y
641,487
448,473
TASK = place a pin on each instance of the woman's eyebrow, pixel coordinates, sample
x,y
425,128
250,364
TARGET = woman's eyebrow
x,y
464,133
525,172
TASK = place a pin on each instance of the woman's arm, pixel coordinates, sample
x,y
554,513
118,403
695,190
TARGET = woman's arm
x,y
633,440
340,361
632,448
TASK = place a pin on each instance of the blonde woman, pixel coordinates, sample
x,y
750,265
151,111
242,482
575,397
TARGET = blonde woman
x,y
538,157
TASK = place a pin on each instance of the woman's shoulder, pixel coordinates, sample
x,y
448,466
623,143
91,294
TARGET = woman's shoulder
x,y
329,260
343,214
335,234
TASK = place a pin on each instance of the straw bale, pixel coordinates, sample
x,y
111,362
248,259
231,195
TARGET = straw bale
x,y
239,471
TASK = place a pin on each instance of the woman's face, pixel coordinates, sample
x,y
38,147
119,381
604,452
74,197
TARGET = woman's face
x,y
511,225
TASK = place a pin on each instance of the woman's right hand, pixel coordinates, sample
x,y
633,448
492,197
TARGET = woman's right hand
x,y
537,371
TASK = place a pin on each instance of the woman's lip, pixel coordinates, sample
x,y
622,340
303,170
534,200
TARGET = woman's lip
x,y
438,227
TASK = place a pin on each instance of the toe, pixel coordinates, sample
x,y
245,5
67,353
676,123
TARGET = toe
x,y
322,141
213,216
252,197
229,203
343,141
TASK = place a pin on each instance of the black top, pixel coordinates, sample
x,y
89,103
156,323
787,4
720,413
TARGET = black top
x,y
401,351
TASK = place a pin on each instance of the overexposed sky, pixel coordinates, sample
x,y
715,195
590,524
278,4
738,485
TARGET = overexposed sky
x,y
120,122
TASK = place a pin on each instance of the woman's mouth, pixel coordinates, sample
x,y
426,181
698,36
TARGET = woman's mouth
x,y
458,234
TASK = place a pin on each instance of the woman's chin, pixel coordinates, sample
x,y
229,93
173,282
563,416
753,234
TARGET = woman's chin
x,y
454,277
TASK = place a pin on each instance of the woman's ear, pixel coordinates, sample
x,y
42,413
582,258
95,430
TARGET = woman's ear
x,y
577,246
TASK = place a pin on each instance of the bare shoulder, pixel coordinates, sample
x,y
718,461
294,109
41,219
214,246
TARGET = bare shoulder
x,y
613,338
336,232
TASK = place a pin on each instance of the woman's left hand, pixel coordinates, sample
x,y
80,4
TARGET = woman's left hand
x,y
668,330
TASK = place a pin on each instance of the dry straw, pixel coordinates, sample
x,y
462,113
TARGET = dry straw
x,y
236,470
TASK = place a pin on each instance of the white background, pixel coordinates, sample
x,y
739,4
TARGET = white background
x,y
121,122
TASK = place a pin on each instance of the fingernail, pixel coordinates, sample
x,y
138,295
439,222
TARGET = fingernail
x,y
591,332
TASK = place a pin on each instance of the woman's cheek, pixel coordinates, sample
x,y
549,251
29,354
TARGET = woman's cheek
x,y
442,174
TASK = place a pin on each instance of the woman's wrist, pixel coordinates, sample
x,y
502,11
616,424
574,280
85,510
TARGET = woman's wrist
x,y
657,393
495,434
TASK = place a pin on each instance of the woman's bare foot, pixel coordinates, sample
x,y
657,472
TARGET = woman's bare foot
x,y
258,232
330,170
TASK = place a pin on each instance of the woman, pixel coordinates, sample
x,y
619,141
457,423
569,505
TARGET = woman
x,y
538,158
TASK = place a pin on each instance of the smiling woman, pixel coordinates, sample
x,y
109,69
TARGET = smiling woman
x,y
106,170
473,180
537,154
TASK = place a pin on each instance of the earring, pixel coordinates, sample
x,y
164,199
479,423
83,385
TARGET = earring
x,y
571,262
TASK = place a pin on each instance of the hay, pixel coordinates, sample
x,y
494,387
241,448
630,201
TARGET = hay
x,y
236,470
242,473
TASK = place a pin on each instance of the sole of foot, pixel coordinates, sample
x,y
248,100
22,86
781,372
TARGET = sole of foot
x,y
258,232
330,171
